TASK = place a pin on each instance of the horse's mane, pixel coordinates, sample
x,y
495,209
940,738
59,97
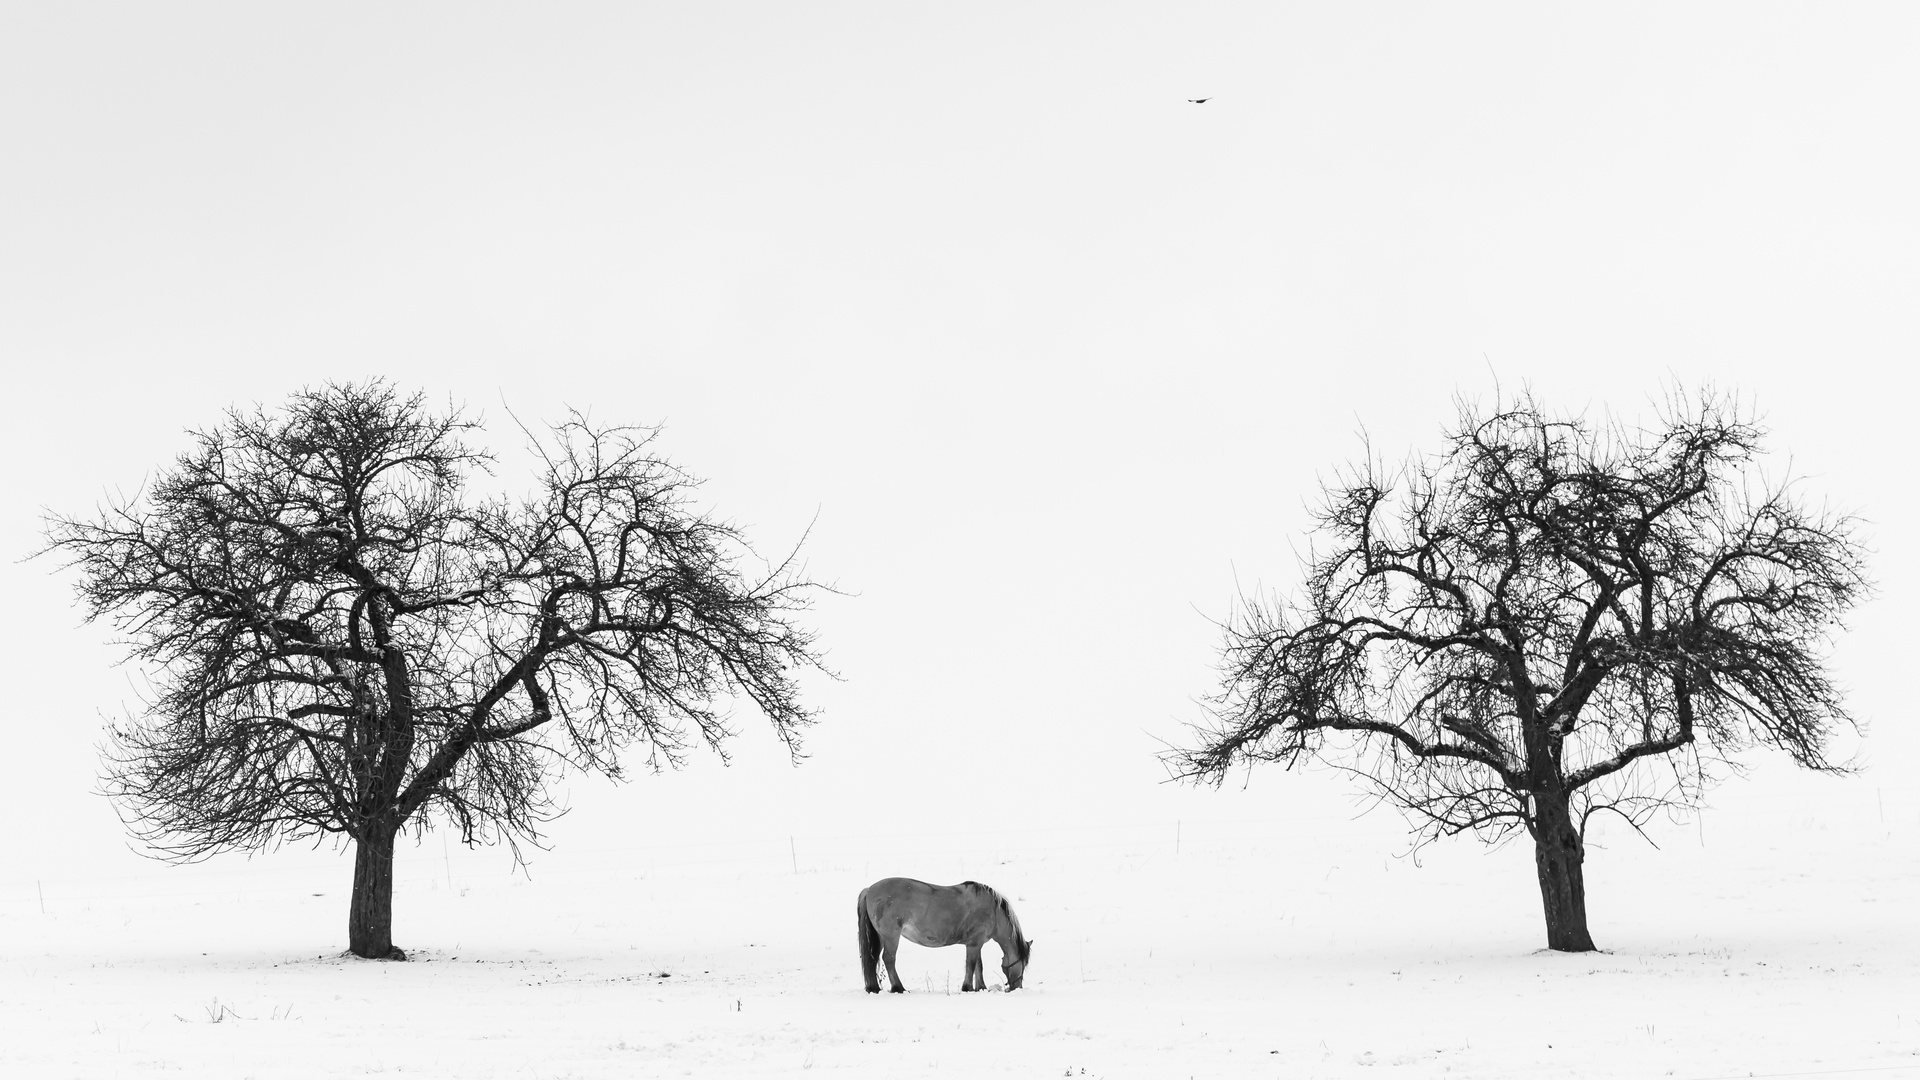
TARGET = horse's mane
x,y
1013,920
1006,910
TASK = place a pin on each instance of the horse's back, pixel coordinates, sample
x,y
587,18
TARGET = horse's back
x,y
932,915
899,889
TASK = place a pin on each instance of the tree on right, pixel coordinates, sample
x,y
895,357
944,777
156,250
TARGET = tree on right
x,y
1546,620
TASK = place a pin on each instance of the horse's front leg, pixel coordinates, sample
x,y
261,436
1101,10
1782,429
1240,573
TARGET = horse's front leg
x,y
888,948
972,979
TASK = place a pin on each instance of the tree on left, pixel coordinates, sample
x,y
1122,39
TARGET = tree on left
x,y
342,640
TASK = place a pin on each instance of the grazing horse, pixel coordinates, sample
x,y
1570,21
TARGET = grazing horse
x,y
938,915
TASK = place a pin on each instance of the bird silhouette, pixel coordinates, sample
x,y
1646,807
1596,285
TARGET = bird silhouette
x,y
1199,100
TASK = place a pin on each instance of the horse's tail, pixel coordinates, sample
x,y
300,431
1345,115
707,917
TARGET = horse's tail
x,y
869,944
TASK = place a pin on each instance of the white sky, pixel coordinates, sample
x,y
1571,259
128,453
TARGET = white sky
x,y
1056,356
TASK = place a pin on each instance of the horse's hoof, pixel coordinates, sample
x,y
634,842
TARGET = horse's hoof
x,y
899,990
873,989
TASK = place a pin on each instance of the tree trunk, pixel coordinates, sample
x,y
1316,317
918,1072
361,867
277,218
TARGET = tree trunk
x,y
370,912
1557,855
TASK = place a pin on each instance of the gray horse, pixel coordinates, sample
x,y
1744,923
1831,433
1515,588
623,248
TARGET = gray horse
x,y
936,916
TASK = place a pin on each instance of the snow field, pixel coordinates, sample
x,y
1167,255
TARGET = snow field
x,y
1781,943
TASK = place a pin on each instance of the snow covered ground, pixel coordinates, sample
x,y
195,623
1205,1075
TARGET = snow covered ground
x,y
1778,937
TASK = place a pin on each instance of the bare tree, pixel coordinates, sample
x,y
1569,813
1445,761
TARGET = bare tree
x,y
1547,620
342,641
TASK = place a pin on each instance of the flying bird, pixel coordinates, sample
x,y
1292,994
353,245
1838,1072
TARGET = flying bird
x,y
1199,100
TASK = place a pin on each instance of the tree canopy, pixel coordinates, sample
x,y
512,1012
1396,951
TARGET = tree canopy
x,y
1547,619
342,639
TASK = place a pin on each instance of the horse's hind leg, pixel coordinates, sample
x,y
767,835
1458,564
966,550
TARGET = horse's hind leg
x,y
975,978
889,945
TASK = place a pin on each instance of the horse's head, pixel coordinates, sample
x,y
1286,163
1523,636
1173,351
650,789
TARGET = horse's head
x,y
1015,967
